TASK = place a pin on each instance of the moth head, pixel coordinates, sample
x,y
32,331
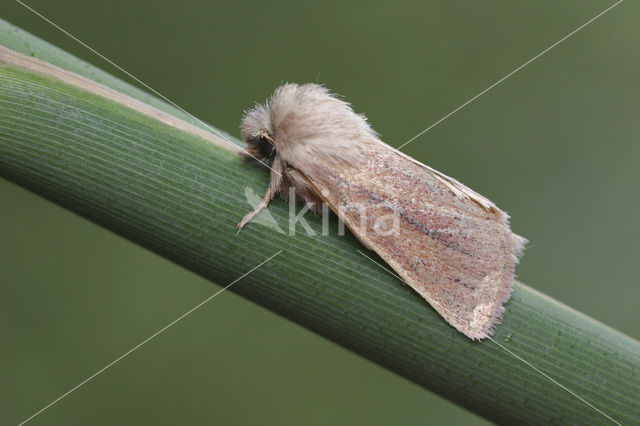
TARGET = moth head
x,y
257,134
261,126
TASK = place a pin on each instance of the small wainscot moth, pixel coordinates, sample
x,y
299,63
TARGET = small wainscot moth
x,y
450,244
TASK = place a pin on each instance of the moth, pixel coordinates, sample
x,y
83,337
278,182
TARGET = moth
x,y
453,246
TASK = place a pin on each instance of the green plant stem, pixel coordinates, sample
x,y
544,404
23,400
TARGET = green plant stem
x,y
181,194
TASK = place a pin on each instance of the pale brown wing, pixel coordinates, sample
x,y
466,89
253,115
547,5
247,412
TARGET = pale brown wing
x,y
450,244
459,189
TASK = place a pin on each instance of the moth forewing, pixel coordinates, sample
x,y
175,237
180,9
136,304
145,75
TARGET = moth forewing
x,y
457,254
450,244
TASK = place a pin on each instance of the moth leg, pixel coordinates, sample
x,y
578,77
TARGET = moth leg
x,y
274,185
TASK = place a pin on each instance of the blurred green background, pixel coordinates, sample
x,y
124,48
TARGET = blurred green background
x,y
556,145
